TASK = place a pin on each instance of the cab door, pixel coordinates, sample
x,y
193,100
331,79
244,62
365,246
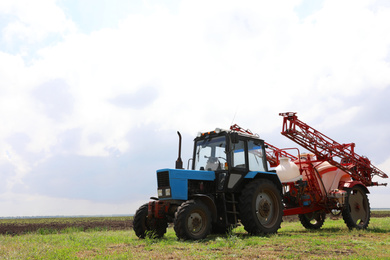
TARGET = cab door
x,y
238,163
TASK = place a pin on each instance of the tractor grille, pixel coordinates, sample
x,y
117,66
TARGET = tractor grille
x,y
163,179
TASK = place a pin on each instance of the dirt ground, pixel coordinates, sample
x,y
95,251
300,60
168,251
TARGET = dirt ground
x,y
23,228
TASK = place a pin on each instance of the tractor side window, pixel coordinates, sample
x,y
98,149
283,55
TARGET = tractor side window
x,y
239,155
255,156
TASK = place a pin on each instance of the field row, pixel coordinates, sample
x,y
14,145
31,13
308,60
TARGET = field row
x,y
53,225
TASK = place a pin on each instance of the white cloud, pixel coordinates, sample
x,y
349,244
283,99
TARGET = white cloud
x,y
190,69
31,22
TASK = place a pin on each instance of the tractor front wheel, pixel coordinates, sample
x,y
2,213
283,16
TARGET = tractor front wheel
x,y
151,227
192,220
356,212
312,220
261,207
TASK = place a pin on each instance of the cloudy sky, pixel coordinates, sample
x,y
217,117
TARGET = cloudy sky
x,y
93,92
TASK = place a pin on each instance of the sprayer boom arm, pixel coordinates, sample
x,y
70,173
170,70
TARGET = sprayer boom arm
x,y
342,156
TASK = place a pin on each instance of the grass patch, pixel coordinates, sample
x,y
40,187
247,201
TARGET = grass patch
x,y
334,241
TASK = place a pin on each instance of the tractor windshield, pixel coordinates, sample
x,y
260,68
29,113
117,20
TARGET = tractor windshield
x,y
210,154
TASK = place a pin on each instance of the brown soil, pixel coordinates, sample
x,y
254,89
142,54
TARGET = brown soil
x,y
380,215
22,228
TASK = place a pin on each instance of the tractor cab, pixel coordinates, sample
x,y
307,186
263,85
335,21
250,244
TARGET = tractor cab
x,y
231,155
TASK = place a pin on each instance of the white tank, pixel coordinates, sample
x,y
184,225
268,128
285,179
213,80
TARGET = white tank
x,y
287,171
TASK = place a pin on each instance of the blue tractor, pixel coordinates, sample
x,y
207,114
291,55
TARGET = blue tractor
x,y
228,184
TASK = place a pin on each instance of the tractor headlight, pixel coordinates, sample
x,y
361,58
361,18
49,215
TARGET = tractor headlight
x,y
166,192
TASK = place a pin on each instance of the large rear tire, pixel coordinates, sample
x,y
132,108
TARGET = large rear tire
x,y
192,220
312,220
356,212
148,227
261,207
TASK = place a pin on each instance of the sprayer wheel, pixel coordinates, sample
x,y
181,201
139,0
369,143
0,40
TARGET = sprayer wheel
x,y
312,220
356,212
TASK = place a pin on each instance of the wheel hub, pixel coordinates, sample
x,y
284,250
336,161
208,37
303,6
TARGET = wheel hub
x,y
357,206
195,222
264,208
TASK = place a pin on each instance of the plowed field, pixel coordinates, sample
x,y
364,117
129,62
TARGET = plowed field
x,y
57,225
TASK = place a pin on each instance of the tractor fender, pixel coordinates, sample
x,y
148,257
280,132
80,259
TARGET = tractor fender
x,y
266,175
351,184
209,202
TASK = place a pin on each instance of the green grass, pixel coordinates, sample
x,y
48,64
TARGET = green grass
x,y
334,241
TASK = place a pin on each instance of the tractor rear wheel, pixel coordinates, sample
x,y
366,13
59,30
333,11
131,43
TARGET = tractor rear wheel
x,y
312,220
151,227
356,212
261,207
192,220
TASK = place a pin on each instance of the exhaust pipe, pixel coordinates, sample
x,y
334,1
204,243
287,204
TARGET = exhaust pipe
x,y
179,162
